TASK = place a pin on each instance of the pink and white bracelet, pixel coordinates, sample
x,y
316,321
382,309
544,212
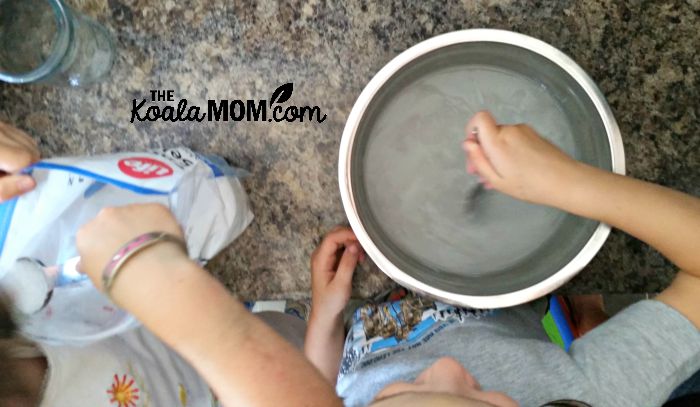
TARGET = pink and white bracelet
x,y
130,249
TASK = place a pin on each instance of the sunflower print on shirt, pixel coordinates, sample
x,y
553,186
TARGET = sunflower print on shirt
x,y
123,391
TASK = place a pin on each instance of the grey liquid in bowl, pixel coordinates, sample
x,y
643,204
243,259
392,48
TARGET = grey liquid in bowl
x,y
409,181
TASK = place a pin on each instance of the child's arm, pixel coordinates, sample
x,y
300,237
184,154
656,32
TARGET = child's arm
x,y
516,161
331,286
667,220
242,359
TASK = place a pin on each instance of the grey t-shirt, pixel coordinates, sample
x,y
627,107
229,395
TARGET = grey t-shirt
x,y
636,358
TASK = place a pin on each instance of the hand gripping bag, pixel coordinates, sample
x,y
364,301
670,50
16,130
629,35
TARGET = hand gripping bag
x,y
203,192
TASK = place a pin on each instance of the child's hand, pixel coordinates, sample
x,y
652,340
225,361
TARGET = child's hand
x,y
17,151
99,239
515,160
332,266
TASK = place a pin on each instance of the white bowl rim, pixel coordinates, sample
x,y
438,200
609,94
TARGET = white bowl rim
x,y
545,286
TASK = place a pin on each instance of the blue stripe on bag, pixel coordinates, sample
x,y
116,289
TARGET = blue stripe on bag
x,y
6,211
98,177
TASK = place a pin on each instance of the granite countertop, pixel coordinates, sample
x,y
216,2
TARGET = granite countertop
x,y
643,57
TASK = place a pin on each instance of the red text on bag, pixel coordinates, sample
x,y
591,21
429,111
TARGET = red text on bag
x,y
144,167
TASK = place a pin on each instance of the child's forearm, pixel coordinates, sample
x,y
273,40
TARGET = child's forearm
x,y
242,359
667,220
323,346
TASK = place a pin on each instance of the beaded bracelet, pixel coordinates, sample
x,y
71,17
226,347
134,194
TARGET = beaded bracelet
x,y
130,249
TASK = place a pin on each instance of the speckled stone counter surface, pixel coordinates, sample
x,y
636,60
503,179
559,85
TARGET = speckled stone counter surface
x,y
643,55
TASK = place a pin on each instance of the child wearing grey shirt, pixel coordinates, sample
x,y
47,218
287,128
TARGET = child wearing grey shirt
x,y
429,353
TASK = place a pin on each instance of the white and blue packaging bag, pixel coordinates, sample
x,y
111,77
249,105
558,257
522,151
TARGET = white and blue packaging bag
x,y
37,231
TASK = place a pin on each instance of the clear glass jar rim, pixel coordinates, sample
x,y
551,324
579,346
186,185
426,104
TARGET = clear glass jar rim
x,y
58,51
